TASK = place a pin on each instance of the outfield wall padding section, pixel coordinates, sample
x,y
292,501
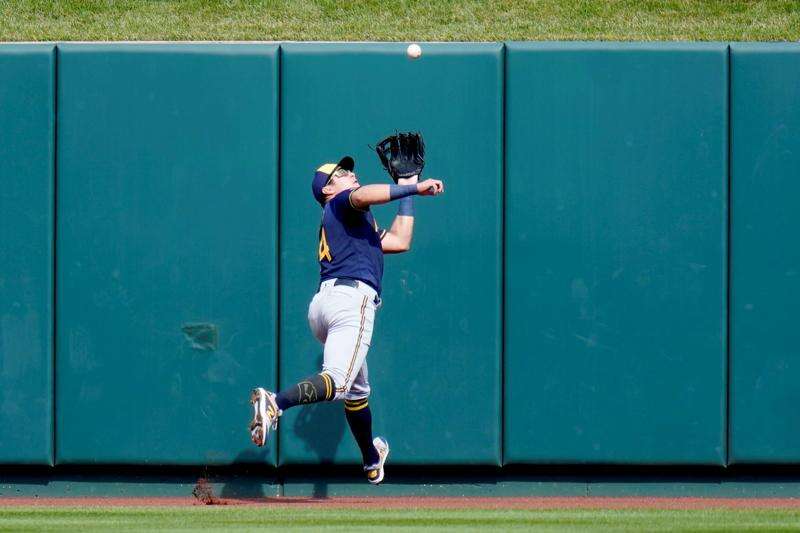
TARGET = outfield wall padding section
x,y
616,177
434,360
765,253
27,153
167,241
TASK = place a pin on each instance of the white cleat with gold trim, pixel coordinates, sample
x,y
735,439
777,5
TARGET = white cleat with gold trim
x,y
265,415
375,472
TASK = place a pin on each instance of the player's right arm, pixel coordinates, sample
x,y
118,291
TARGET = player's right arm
x,y
368,195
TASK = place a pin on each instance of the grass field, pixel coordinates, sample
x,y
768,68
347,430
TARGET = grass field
x,y
404,20
286,518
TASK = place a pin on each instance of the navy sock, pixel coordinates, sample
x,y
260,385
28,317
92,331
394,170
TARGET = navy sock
x,y
359,417
313,389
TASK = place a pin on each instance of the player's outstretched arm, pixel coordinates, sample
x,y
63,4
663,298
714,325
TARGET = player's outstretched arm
x,y
368,195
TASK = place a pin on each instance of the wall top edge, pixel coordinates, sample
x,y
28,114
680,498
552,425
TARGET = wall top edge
x,y
262,50
24,47
440,49
570,46
765,47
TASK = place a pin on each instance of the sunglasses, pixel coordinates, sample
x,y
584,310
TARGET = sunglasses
x,y
338,173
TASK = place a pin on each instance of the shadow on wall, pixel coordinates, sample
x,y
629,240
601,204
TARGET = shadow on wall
x,y
247,487
321,427
251,485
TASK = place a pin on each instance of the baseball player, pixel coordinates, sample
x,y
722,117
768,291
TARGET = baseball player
x,y
342,313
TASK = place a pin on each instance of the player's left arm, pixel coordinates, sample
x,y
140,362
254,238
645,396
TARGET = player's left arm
x,y
398,238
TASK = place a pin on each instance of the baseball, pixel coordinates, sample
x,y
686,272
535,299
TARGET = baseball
x,y
413,51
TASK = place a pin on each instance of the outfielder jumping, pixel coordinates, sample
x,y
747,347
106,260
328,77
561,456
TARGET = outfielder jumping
x,y
342,313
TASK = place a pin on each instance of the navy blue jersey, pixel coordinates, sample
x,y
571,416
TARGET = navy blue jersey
x,y
349,243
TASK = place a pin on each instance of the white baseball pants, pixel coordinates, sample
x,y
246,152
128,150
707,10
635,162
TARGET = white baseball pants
x,y
341,317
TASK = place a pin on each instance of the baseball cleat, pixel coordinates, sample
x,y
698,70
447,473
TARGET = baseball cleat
x,y
375,472
265,415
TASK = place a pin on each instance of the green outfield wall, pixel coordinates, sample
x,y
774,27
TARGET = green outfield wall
x,y
765,253
27,151
610,277
167,250
616,172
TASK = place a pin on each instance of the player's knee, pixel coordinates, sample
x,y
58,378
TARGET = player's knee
x,y
340,381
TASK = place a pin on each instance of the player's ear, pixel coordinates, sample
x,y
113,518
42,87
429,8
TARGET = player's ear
x,y
328,189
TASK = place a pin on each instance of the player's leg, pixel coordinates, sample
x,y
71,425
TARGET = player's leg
x,y
359,418
268,407
313,389
348,315
317,387
349,338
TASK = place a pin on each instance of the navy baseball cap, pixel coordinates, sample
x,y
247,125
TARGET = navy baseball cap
x,y
323,174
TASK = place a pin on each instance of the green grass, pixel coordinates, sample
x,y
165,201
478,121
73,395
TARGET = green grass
x,y
399,20
283,518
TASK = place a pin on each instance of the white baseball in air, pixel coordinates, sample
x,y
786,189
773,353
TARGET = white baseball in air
x,y
413,51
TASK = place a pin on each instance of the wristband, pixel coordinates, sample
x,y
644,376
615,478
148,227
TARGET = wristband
x,y
401,191
405,207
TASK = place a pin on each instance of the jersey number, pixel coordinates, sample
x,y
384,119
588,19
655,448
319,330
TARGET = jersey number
x,y
324,249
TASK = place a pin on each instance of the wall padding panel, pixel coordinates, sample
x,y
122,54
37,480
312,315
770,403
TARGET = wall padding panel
x,y
765,253
27,155
616,243
167,234
434,361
